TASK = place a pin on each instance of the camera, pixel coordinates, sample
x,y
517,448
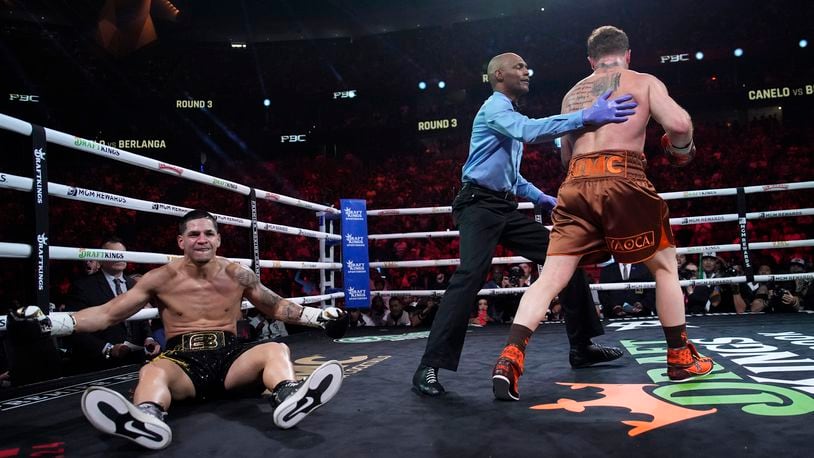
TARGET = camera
x,y
730,271
685,274
776,303
514,275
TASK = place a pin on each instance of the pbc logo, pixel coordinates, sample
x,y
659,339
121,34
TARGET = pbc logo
x,y
345,94
23,98
293,138
671,59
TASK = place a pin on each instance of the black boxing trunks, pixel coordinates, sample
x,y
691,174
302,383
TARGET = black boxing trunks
x,y
206,357
607,206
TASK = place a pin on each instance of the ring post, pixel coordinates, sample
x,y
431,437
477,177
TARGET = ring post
x,y
355,266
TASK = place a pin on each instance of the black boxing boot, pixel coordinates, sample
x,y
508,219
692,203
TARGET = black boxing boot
x,y
112,413
425,381
588,354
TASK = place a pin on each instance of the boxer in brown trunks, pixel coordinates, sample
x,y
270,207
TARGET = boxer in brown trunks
x,y
608,206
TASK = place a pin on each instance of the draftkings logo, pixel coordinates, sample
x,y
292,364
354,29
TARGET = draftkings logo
x,y
669,403
355,267
354,240
354,293
353,215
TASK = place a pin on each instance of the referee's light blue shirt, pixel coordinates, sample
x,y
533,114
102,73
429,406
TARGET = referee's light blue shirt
x,y
496,148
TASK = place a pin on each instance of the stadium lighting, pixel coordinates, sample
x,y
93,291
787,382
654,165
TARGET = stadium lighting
x,y
699,55
266,102
238,44
803,43
441,85
738,52
531,72
422,85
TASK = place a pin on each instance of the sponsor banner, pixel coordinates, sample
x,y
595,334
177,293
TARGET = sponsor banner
x,y
355,267
41,231
772,93
304,367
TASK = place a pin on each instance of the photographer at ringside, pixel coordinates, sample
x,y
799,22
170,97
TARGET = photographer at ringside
x,y
724,298
793,295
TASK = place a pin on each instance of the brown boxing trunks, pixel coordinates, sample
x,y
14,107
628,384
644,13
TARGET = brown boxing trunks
x,y
607,206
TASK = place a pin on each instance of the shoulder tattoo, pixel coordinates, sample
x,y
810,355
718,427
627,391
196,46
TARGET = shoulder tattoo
x,y
245,277
584,93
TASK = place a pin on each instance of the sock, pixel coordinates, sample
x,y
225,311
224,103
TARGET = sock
x,y
519,336
153,409
676,335
281,391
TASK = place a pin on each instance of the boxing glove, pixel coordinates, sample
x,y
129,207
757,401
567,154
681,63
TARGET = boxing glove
x,y
678,157
333,320
29,322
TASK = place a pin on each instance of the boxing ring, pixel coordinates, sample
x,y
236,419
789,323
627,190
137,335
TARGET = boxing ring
x,y
759,398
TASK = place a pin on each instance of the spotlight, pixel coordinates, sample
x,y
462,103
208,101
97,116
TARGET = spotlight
x,y
266,102
441,85
738,52
531,72
699,56
422,85
803,43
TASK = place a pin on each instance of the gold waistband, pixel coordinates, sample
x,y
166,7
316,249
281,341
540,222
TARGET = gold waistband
x,y
201,340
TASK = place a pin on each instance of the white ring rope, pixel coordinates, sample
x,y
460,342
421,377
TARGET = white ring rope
x,y
687,250
665,196
81,144
681,221
61,253
69,253
606,286
114,200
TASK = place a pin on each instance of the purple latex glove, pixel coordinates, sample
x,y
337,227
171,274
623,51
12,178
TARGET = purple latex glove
x,y
604,111
546,202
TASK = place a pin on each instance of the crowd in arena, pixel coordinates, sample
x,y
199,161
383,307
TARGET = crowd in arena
x,y
392,167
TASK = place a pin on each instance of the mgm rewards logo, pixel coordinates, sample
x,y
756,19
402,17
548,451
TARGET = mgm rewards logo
x,y
670,403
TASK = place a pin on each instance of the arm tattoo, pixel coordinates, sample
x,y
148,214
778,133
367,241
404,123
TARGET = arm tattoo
x,y
269,297
290,312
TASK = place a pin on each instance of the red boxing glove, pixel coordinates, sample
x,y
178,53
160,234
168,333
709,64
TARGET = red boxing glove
x,y
678,157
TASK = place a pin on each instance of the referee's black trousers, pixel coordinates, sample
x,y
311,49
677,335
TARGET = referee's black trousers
x,y
484,220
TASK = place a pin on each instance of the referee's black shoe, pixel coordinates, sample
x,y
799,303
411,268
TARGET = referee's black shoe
x,y
591,353
425,381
